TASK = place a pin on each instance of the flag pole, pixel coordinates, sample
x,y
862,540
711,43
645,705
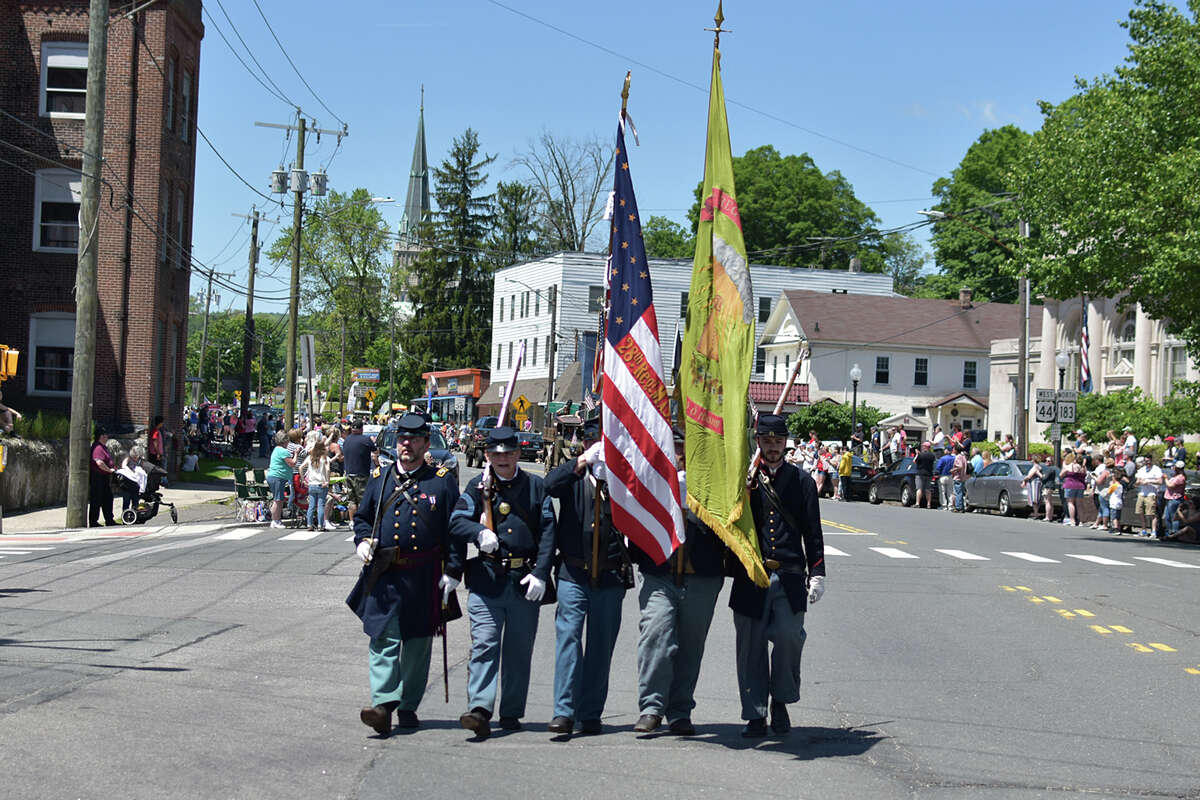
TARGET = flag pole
x,y
787,388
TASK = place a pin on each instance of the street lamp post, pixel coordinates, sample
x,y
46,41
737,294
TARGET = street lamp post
x,y
855,377
1061,360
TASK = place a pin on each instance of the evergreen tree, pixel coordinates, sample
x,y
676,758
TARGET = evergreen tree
x,y
451,282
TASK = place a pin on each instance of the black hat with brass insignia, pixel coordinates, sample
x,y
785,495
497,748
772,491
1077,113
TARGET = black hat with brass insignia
x,y
591,429
771,425
413,425
502,440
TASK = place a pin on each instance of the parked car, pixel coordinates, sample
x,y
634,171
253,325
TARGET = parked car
x,y
858,484
896,482
438,449
1130,519
531,445
998,486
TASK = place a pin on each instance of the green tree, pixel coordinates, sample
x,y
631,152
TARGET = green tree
x,y
831,420
226,332
451,285
570,177
795,215
904,259
1111,177
977,191
665,238
514,236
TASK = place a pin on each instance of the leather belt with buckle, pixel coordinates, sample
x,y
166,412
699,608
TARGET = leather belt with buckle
x,y
509,562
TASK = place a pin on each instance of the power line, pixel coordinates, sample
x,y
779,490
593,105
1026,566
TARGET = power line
x,y
283,50
250,53
277,92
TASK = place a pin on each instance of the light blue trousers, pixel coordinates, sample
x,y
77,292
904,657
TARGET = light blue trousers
x,y
581,674
671,635
502,634
779,675
399,671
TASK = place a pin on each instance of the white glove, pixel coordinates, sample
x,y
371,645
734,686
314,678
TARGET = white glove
x,y
489,542
594,454
447,585
816,588
364,551
535,588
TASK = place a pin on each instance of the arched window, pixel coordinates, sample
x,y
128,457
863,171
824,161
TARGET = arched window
x,y
1126,334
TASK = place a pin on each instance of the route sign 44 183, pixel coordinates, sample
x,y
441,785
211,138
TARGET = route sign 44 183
x,y
1066,405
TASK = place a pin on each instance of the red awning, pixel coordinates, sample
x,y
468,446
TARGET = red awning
x,y
766,392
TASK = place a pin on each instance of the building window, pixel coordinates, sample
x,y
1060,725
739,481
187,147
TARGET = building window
x,y
525,307
595,299
921,372
52,353
1126,338
764,308
775,368
787,365
533,359
501,310
64,79
683,303
56,210
537,304
760,361
969,378
883,369
185,107
164,220
499,354
510,349
181,249
512,307
1176,366
548,352
918,411
169,90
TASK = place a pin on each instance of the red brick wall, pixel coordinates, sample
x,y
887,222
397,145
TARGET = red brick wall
x,y
128,243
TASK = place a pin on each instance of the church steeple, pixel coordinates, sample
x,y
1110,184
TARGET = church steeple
x,y
416,205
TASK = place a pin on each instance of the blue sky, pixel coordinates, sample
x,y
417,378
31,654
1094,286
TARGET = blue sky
x,y
889,94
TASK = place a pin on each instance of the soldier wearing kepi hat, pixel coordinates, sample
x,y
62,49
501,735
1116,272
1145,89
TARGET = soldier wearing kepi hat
x,y
788,522
513,527
677,599
592,581
402,534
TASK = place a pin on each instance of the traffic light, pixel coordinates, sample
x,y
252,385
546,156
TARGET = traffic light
x,y
8,362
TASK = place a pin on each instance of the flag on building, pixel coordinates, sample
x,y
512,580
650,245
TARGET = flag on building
x,y
639,450
718,352
1085,371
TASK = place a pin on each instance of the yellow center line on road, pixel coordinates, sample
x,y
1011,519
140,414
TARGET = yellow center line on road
x,y
1035,599
844,527
1191,670
1141,648
1051,598
1100,629
1084,613
1025,589
1120,629
1008,588
1164,648
1065,614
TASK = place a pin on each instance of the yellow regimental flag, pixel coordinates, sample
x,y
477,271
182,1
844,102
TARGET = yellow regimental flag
x,y
718,353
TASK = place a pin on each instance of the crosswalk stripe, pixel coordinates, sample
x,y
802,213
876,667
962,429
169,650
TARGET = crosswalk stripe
x,y
22,550
239,533
1108,562
964,555
16,552
1166,562
829,551
300,536
1032,557
348,539
892,552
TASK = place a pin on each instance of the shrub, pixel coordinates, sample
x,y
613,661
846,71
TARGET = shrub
x,y
44,426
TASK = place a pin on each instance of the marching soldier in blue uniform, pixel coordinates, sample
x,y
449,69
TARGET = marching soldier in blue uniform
x,y
677,599
412,567
507,583
788,522
591,586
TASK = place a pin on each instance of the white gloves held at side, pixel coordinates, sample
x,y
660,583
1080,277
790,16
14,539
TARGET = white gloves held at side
x,y
816,588
535,588
447,585
594,454
489,542
365,551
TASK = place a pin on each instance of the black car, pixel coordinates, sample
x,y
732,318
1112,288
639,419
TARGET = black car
x,y
857,486
531,445
897,482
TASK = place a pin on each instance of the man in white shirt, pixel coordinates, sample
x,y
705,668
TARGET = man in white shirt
x,y
1131,443
1148,478
939,438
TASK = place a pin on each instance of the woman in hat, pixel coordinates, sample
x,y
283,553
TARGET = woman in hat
x,y
100,470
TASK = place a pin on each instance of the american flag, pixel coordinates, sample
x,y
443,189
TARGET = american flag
x,y
639,450
1085,373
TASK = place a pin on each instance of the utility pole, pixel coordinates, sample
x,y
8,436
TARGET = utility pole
x,y
1023,358
260,369
550,355
83,374
248,336
300,183
203,341
342,373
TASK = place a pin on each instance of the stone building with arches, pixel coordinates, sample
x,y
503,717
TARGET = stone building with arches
x,y
1126,349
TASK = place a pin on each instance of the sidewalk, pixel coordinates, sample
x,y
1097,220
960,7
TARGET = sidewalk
x,y
53,519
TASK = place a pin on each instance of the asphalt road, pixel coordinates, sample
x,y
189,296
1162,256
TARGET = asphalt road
x,y
210,663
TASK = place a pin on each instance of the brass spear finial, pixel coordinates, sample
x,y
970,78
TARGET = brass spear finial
x,y
717,31
625,92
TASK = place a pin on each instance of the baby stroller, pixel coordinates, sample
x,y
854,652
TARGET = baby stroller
x,y
298,502
146,504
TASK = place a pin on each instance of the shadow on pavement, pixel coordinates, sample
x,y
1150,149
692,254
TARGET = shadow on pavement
x,y
10,592
803,742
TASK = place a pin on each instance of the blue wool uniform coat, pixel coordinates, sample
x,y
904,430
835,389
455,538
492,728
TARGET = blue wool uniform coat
x,y
576,496
702,549
420,532
802,552
528,503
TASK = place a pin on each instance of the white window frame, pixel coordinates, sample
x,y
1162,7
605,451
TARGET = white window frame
x,y
916,363
35,321
67,55
887,366
57,183
974,377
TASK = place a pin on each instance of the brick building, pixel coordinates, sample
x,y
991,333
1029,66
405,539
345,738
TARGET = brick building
x,y
145,207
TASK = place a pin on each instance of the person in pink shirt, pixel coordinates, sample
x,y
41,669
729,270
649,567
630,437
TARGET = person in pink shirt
x,y
1173,494
100,470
